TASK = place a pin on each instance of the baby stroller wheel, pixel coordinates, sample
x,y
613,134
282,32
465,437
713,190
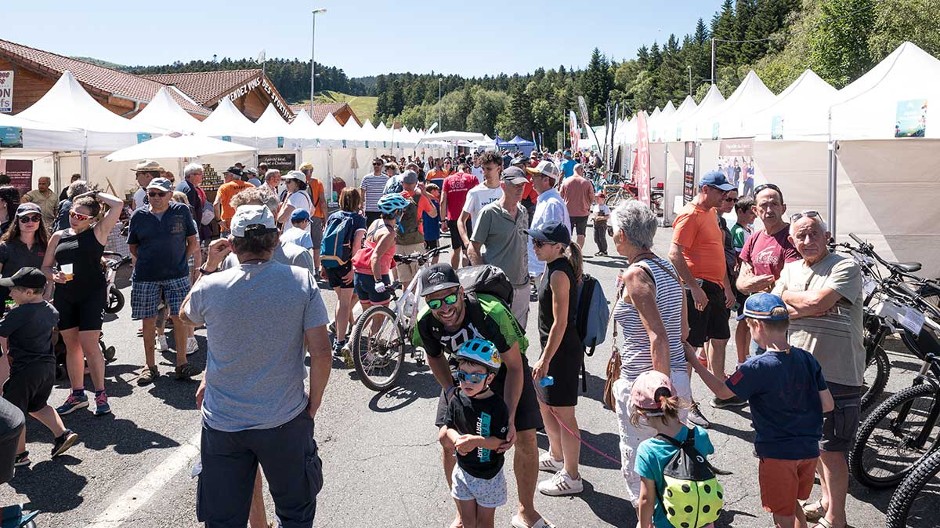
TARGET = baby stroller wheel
x,y
115,300
107,352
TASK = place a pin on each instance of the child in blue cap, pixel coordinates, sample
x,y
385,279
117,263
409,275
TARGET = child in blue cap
x,y
788,396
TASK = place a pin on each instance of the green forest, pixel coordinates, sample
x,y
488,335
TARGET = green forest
x,y
838,39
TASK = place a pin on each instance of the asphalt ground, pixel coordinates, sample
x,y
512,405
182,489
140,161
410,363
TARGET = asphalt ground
x,y
381,459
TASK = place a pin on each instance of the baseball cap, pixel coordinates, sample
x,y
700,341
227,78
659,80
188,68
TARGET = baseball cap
x,y
409,177
161,184
545,168
25,278
438,277
234,170
567,153
762,305
299,215
519,159
27,208
648,388
717,180
147,166
555,232
250,218
514,175
294,175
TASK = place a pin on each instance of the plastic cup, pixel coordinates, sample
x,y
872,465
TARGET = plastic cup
x,y
67,271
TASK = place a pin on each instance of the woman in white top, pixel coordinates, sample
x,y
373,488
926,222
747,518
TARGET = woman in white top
x,y
651,313
297,197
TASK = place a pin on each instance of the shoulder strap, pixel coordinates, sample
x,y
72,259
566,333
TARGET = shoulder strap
x,y
673,441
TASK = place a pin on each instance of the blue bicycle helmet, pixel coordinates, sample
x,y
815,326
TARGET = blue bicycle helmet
x,y
480,351
391,202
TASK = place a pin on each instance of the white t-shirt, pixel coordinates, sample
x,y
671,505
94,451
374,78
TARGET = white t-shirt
x,y
479,197
299,200
549,207
139,195
600,209
298,236
478,172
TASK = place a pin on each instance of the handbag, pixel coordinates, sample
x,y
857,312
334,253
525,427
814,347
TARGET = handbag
x,y
613,366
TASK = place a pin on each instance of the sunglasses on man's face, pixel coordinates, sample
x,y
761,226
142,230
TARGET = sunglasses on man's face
x,y
79,216
154,194
435,304
731,200
30,219
471,377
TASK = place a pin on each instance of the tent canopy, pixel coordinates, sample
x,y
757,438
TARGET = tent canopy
x,y
750,96
165,114
227,120
271,124
173,147
800,112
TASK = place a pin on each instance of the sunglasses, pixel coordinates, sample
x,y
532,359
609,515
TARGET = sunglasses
x,y
541,243
471,377
805,214
30,219
79,216
763,186
154,194
450,300
731,200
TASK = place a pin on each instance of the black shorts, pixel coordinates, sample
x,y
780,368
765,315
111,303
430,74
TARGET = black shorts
x,y
528,416
431,244
335,276
841,424
29,388
712,322
86,313
579,225
565,368
455,241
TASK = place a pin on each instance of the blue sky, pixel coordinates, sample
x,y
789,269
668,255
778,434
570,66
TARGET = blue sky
x,y
362,37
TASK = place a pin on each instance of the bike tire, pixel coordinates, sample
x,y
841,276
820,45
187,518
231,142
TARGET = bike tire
x,y
864,465
912,488
382,351
115,300
879,359
612,200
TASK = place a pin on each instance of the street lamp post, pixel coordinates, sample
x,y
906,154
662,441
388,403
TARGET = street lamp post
x,y
690,79
313,39
440,109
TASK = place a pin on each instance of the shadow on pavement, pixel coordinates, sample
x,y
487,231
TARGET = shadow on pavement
x,y
100,432
615,511
736,518
607,443
414,383
179,394
37,483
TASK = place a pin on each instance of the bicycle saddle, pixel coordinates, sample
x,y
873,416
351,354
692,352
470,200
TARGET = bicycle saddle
x,y
907,267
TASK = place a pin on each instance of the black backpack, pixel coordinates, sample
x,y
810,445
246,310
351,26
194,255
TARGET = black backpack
x,y
486,279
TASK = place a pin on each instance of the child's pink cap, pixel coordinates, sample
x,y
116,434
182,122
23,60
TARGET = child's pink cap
x,y
648,388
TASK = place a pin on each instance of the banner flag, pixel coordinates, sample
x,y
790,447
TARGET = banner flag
x,y
641,163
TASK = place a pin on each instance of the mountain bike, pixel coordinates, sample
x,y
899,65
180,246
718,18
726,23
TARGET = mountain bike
x,y
382,334
917,499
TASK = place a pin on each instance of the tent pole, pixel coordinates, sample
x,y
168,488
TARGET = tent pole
x,y
56,172
665,178
833,181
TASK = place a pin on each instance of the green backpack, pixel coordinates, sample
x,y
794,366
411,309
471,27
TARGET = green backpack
x,y
693,497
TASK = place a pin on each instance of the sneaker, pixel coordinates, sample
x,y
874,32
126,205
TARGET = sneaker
x,y
338,349
102,407
561,484
22,459
733,401
192,346
186,371
547,463
64,442
72,404
147,375
162,346
697,418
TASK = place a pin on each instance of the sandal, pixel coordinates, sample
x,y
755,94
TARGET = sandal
x,y
814,511
824,523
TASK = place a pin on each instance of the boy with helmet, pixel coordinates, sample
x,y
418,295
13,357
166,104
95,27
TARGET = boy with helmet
x,y
477,423
373,261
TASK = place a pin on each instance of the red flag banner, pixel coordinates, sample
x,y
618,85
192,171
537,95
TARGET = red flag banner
x,y
574,130
641,163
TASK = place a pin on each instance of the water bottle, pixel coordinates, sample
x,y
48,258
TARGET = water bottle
x,y
547,381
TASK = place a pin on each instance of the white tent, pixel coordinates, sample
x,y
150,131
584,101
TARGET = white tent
x,y
750,96
227,121
173,147
702,115
331,131
655,125
800,112
68,105
453,135
893,94
272,125
352,133
165,114
669,127
303,127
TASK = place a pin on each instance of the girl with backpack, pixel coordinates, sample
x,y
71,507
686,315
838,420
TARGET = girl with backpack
x,y
664,476
340,274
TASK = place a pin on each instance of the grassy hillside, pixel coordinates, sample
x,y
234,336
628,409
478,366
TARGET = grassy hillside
x,y
363,106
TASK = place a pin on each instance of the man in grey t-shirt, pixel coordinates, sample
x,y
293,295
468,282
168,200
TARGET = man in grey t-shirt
x,y
499,239
254,405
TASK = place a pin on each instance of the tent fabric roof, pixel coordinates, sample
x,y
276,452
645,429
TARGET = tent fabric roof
x,y
164,112
802,110
320,111
226,120
67,104
98,79
750,96
303,127
206,88
712,100
271,124
897,89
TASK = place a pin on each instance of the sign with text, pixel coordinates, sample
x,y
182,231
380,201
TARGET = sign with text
x,y
736,161
282,162
688,173
6,91
20,173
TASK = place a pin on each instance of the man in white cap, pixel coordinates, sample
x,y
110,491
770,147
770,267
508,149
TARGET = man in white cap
x,y
245,422
549,208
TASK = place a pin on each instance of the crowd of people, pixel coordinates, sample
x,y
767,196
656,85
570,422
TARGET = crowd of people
x,y
799,357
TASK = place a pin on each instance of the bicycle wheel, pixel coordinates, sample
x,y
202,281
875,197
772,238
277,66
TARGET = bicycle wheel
x,y
876,374
897,434
917,499
378,348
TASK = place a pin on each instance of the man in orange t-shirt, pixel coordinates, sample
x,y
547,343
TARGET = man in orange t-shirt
x,y
223,207
698,254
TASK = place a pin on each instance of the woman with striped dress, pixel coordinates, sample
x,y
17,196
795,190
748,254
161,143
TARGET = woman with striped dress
x,y
651,314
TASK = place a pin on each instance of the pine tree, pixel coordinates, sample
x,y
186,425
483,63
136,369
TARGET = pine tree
x,y
723,29
596,83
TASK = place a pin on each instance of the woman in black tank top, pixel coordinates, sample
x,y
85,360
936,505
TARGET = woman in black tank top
x,y
562,354
73,262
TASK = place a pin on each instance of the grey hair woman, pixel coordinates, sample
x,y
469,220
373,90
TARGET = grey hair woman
x,y
650,310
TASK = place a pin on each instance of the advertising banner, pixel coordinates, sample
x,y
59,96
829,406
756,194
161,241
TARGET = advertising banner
x,y
20,173
6,91
573,130
736,160
11,137
688,173
641,164
911,119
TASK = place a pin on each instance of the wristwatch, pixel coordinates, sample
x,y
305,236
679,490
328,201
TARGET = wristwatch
x,y
204,271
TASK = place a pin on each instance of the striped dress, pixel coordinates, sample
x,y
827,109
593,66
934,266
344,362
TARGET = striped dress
x,y
635,357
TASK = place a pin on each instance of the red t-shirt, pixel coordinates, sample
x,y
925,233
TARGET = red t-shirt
x,y
768,253
455,188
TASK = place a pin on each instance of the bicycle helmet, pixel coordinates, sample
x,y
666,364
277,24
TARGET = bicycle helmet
x,y
391,202
480,351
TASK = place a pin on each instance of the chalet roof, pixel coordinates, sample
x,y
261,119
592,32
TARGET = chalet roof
x,y
320,111
206,88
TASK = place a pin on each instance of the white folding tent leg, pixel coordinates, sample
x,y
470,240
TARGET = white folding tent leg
x,y
665,185
833,184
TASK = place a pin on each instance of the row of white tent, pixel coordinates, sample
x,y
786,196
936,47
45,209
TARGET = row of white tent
x,y
67,118
808,110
